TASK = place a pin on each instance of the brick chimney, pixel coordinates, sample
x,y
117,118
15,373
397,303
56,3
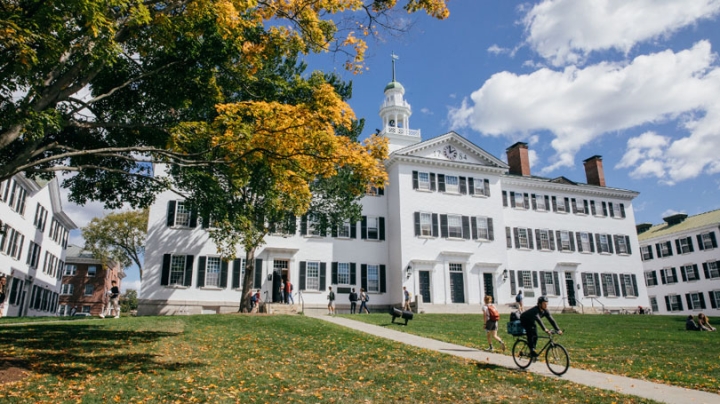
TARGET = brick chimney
x,y
594,171
518,159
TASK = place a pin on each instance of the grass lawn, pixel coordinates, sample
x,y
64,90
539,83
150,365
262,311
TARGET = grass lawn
x,y
654,348
241,358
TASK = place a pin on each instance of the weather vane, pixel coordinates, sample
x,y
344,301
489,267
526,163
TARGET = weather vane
x,y
394,58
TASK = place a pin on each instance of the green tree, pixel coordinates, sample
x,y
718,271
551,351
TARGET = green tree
x,y
118,237
99,87
128,301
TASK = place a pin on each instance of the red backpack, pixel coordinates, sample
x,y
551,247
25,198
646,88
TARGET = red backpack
x,y
493,313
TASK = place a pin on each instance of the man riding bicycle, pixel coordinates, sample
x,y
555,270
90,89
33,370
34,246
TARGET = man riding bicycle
x,y
530,317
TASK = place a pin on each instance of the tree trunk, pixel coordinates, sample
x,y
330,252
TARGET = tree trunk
x,y
247,280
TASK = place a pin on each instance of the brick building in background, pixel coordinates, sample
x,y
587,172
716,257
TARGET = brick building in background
x,y
85,282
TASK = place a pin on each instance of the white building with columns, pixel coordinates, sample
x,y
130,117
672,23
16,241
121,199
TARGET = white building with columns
x,y
455,224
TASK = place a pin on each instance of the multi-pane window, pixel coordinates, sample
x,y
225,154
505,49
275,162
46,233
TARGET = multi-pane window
x,y
713,269
589,284
70,269
651,278
565,241
654,304
313,226
373,278
519,200
89,289
424,181
177,270
550,287
67,289
544,239
525,279
212,271
92,270
523,237
182,214
33,255
483,231
40,217
695,301
452,184
670,275
51,264
15,196
604,244
608,284
343,273
312,276
691,272
540,202
425,224
622,247
373,232
646,253
665,249
714,297
479,186
685,245
585,242
561,206
615,209
11,242
627,285
344,229
674,303
707,240
454,226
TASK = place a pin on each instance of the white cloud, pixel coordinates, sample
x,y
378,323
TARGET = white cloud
x,y
567,31
670,212
578,105
125,285
496,50
426,111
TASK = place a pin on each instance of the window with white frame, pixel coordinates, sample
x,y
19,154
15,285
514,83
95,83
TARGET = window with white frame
x,y
85,309
622,247
627,284
691,272
608,284
565,241
454,226
585,241
92,270
525,279
452,184
544,239
313,226
616,209
604,245
70,269
343,273
685,245
33,256
646,253
712,269
651,278
589,284
561,207
373,232
213,266
67,289
425,224
653,304
665,249
540,202
177,270
695,301
483,231
16,198
707,241
40,217
674,303
182,214
523,237
312,275
344,229
519,200
550,287
479,186
89,289
424,181
373,278
11,243
714,297
670,275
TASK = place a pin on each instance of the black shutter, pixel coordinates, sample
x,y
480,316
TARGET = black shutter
x,y
669,247
680,303
543,288
517,237
513,286
567,204
466,227
604,289
434,224
585,206
683,274
597,242
529,237
659,250
473,229
188,269
690,244
223,274
674,274
170,214
463,185
667,303
579,242
432,181
353,275
706,270
702,301
534,201
571,236
592,208
701,246
597,281
605,210
353,229
504,198
557,283
237,263
547,203
323,275
417,223
663,278
508,237
611,209
520,279
303,225
201,271
610,244
257,282
558,239
381,191
712,300
486,186
443,226
193,217
627,245
334,272
554,204
551,240
689,301
334,231
382,279
573,205
381,224
538,242
535,279
303,272
616,243
441,182
363,276
713,239
167,258
415,180
677,245
512,199
584,284
617,285
622,210
634,284
363,228
471,186
491,231
526,201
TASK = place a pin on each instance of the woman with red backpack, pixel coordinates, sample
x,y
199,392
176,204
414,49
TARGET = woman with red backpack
x,y
491,318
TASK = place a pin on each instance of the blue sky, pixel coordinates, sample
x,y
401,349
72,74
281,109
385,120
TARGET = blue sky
x,y
637,82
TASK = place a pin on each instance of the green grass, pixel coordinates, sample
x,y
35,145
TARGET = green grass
x,y
241,358
653,348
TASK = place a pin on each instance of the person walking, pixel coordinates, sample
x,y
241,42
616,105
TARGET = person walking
x,y
288,293
353,301
364,298
519,300
3,288
491,317
331,302
406,297
114,300
533,316
282,291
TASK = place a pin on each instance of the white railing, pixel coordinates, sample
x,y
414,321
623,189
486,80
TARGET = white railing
x,y
402,131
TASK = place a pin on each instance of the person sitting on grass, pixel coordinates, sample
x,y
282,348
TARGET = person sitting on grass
x,y
690,324
530,317
704,323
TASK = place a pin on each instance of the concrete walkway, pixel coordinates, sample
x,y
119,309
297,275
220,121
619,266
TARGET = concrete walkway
x,y
654,391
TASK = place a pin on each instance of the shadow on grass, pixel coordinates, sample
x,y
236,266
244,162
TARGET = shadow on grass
x,y
70,351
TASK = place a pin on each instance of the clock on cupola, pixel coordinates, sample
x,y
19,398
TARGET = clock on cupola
x,y
450,152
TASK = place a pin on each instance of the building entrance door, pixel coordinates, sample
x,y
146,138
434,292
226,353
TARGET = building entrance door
x,y
457,287
280,274
425,286
570,287
489,286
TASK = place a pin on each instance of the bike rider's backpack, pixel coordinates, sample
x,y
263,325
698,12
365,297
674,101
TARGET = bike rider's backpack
x,y
515,316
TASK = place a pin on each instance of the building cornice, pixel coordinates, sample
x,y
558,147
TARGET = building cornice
x,y
431,162
545,184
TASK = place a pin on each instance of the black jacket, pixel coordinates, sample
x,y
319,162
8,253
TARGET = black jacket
x,y
530,316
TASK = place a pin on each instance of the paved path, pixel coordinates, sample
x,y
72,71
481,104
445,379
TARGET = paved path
x,y
641,388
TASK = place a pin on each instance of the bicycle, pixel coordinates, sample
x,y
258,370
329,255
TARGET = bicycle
x,y
556,356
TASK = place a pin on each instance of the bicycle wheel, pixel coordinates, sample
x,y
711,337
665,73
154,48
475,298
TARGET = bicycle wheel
x,y
557,359
521,353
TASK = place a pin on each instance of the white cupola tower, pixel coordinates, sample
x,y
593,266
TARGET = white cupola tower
x,y
395,113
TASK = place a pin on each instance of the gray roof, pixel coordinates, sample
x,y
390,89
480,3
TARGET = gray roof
x,y
702,220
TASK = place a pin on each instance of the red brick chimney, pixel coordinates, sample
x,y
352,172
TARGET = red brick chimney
x,y
518,159
594,171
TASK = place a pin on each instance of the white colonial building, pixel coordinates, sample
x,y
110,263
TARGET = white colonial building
x,y
454,224
682,263
33,238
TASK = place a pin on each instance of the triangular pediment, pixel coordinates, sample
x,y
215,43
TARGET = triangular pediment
x,y
453,148
563,180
